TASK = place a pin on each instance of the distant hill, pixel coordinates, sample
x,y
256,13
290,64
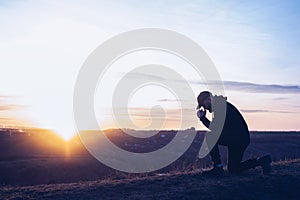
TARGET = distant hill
x,y
282,183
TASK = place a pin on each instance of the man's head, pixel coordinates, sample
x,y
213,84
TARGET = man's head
x,y
204,100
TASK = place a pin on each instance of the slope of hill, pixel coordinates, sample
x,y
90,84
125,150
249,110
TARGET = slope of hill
x,y
282,183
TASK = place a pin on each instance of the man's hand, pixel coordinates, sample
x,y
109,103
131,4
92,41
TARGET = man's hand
x,y
201,113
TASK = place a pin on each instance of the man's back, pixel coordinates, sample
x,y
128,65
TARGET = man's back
x,y
235,129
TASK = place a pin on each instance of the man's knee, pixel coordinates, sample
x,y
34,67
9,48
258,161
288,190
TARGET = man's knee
x,y
233,169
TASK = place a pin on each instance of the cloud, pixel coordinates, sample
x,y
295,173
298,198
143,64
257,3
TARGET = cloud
x,y
148,112
261,88
162,119
11,107
7,97
138,75
280,98
7,103
264,111
232,85
253,111
255,87
170,100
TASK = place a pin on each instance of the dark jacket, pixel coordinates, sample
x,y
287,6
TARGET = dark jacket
x,y
235,130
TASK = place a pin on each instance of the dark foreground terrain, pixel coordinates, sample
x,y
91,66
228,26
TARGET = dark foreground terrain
x,y
39,164
282,183
34,157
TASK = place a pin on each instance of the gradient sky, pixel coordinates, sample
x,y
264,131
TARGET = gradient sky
x,y
255,46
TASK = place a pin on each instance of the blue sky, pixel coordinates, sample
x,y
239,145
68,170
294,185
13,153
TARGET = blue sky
x,y
254,45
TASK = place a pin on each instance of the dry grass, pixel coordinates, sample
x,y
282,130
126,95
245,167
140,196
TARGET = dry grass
x,y
282,183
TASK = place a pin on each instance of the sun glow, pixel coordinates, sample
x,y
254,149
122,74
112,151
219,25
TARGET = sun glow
x,y
66,135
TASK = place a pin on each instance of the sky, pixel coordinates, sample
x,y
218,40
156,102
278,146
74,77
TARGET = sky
x,y
254,45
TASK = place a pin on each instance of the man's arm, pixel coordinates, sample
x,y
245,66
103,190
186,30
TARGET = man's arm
x,y
201,114
205,121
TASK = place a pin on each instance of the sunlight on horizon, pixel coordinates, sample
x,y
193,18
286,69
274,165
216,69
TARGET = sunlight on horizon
x,y
66,136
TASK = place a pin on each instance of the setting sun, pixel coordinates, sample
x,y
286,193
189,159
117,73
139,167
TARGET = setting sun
x,y
66,135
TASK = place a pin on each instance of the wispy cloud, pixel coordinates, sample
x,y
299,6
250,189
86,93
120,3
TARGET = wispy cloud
x,y
261,88
138,75
265,111
148,112
232,85
7,98
255,87
8,103
171,100
280,98
10,107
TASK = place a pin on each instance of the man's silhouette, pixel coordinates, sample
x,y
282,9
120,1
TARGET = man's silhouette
x,y
234,135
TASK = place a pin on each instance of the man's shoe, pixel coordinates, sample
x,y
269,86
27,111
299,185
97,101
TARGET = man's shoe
x,y
265,163
215,172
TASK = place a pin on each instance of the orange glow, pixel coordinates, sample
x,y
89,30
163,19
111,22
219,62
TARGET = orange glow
x,y
64,133
65,136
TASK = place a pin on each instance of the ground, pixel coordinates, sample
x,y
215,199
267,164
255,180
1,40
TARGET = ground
x,y
282,183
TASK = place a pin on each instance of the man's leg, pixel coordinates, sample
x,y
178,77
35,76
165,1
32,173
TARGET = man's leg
x,y
215,155
263,161
248,164
235,156
218,167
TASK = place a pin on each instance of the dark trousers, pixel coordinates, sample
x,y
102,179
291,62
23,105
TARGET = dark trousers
x,y
235,156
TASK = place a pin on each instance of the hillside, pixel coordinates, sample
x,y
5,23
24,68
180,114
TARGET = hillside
x,y
282,183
